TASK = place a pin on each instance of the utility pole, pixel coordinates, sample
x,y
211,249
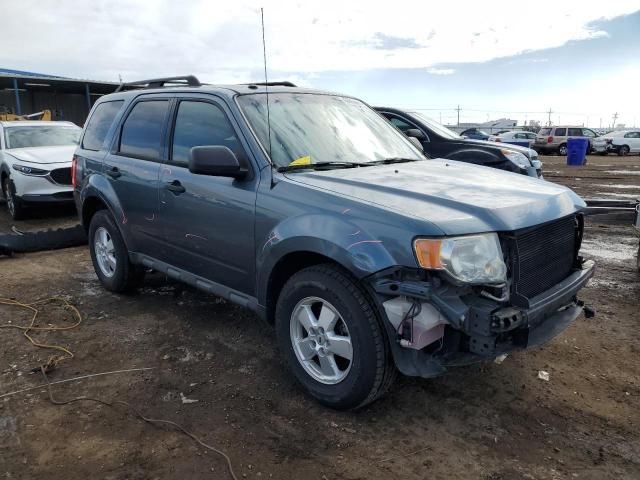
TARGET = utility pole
x,y
615,117
549,122
458,110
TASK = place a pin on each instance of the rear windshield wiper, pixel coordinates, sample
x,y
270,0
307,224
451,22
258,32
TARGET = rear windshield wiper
x,y
322,165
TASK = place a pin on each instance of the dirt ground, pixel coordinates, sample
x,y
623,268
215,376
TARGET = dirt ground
x,y
216,372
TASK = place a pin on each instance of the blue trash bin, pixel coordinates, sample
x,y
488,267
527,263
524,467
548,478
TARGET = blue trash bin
x,y
577,151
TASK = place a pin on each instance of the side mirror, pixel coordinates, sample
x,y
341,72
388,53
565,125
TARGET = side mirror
x,y
415,133
416,143
216,161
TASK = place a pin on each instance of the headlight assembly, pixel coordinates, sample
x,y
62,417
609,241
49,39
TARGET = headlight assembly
x,y
475,259
516,157
30,170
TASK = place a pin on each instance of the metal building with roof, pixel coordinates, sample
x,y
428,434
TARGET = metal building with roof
x,y
68,98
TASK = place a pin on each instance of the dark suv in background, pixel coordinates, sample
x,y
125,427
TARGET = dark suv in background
x,y
313,211
440,142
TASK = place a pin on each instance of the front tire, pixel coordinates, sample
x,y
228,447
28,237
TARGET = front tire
x,y
15,205
332,339
624,151
110,256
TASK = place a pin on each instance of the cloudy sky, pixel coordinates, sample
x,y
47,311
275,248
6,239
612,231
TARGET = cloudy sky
x,y
494,59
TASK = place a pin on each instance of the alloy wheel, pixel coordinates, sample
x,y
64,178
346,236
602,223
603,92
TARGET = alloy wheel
x,y
105,252
321,340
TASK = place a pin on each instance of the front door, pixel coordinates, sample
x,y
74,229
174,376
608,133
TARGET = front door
x,y
208,222
133,166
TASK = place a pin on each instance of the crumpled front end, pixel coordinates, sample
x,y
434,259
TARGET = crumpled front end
x,y
435,323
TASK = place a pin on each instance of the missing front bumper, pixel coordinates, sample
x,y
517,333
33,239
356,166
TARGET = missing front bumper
x,y
479,337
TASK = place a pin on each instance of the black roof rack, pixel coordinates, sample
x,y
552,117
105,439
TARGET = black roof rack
x,y
271,84
189,80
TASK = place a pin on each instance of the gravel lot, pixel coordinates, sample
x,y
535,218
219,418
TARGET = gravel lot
x,y
216,372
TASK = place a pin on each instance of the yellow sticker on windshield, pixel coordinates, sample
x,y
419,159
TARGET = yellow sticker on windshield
x,y
306,160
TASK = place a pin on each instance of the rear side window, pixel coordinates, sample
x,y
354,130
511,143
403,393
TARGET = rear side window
x,y
632,135
198,124
561,132
99,124
142,130
575,132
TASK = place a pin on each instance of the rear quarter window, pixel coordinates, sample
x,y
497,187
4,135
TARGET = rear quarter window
x,y
561,132
101,120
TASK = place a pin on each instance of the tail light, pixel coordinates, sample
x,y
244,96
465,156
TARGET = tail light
x,y
74,166
498,140
549,139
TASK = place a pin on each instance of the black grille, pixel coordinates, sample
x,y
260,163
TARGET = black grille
x,y
61,176
544,255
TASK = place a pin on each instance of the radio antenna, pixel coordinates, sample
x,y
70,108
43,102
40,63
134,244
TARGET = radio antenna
x,y
266,80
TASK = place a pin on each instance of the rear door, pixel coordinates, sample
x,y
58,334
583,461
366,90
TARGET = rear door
x,y
132,167
207,221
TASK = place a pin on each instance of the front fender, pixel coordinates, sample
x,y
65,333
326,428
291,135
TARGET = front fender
x,y
334,236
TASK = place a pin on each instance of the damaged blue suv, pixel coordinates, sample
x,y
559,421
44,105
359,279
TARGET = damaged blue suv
x,y
312,210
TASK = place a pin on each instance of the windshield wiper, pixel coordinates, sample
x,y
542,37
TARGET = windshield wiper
x,y
322,165
387,161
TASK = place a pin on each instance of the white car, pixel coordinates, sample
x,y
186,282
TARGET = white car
x,y
621,142
35,163
517,137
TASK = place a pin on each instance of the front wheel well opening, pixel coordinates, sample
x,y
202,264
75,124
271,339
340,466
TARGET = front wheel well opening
x,y
89,209
286,267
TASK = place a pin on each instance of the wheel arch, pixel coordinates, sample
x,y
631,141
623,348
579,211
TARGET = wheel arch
x,y
297,253
98,194
285,268
4,173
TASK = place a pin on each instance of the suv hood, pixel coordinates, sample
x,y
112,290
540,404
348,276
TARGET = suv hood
x,y
458,198
43,155
508,146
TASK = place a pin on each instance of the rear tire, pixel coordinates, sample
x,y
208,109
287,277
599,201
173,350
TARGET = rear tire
x,y
562,150
351,383
15,205
110,256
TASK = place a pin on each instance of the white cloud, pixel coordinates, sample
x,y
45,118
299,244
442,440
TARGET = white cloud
x,y
221,42
441,71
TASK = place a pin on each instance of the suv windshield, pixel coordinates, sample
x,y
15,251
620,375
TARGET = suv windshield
x,y
316,128
40,136
436,127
